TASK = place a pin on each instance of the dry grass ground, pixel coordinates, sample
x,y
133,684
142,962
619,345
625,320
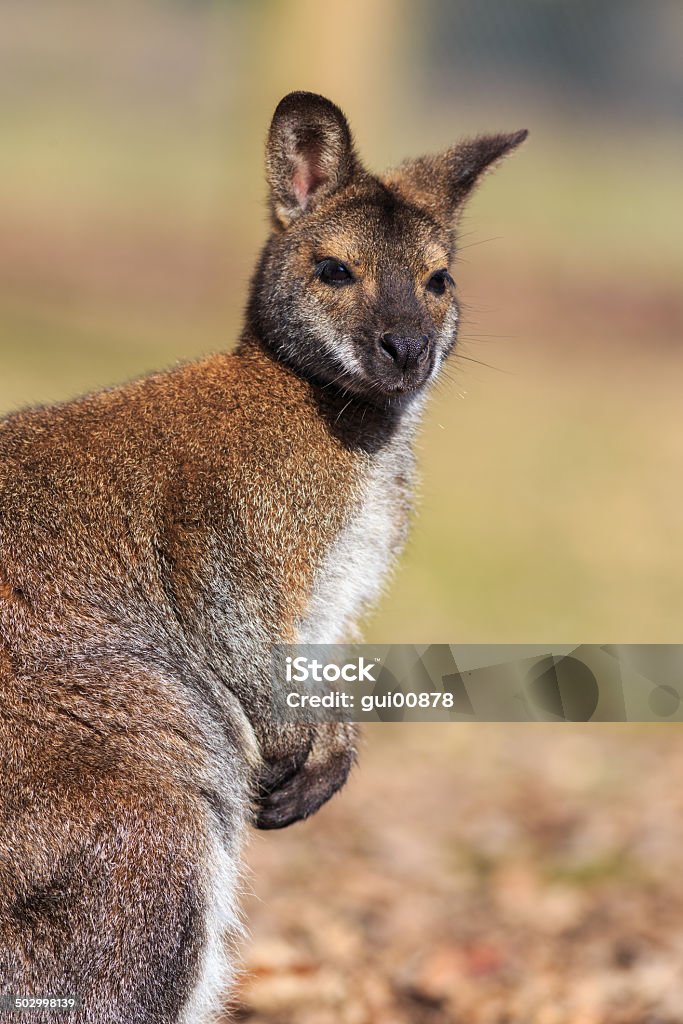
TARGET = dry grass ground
x,y
482,874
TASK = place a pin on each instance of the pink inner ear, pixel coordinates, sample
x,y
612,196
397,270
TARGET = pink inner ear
x,y
308,175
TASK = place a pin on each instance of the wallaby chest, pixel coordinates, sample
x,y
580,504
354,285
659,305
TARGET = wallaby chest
x,y
352,572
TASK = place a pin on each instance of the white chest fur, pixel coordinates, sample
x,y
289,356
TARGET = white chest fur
x,y
352,574
221,927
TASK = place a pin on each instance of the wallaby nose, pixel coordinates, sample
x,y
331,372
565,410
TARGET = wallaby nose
x,y
406,353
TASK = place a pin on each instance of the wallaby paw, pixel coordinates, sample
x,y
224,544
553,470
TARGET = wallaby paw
x,y
300,793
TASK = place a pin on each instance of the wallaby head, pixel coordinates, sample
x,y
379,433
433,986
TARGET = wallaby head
x,y
355,284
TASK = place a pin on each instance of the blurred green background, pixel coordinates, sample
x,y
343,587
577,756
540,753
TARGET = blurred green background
x,y
132,209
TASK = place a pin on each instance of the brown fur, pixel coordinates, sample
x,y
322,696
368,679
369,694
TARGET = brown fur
x,y
156,539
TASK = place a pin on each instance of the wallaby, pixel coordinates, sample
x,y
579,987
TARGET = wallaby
x,y
157,538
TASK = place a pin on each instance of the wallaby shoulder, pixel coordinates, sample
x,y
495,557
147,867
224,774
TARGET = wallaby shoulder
x,y
229,432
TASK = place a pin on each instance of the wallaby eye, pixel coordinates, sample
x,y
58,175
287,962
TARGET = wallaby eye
x,y
333,272
438,281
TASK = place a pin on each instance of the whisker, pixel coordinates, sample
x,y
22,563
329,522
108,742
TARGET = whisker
x,y
344,408
480,362
482,241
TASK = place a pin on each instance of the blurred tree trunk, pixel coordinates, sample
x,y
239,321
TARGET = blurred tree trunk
x,y
257,52
354,54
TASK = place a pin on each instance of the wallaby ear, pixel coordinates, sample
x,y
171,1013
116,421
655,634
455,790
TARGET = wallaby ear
x,y
309,154
441,184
